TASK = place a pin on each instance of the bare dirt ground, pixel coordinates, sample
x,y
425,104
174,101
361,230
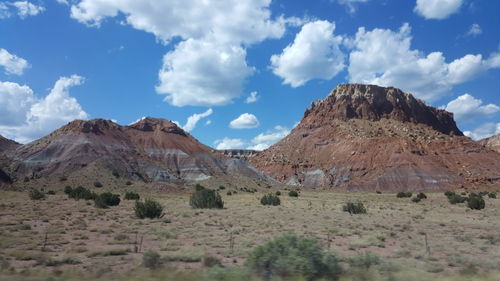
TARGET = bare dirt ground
x,y
59,233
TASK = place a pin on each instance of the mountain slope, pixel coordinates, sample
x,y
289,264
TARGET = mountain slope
x,y
150,150
365,137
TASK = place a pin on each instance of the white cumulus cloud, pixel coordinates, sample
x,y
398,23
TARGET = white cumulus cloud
x,y
12,63
253,97
484,131
193,120
265,140
245,121
437,9
26,9
228,143
384,57
25,117
203,73
314,53
466,107
208,67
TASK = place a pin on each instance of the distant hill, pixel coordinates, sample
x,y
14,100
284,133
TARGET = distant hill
x,y
149,150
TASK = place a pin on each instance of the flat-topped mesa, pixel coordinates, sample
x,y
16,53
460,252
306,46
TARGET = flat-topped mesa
x,y
370,102
150,124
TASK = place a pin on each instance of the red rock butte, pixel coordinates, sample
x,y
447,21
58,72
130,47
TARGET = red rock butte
x,y
366,137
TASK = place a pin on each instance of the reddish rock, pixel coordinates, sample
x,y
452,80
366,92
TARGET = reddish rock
x,y
365,137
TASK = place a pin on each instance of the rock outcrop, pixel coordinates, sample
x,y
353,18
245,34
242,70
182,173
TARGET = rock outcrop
x,y
365,137
492,142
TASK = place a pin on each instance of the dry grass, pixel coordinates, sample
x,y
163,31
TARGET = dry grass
x,y
59,230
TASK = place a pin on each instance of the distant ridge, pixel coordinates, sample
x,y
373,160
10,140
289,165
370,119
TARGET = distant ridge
x,y
151,149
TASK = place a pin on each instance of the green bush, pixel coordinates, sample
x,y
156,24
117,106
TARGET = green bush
x,y
36,194
416,199
109,198
148,209
97,184
492,195
206,199
449,193
354,208
115,174
229,193
404,194
421,196
151,259
476,202
293,193
132,196
290,255
270,199
68,190
278,193
80,193
51,192
100,203
128,183
455,199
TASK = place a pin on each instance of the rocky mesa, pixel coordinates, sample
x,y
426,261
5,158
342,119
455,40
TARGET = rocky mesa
x,y
366,137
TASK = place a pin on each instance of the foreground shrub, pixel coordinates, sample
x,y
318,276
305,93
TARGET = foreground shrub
x,y
270,199
416,199
36,194
293,193
455,199
132,196
354,208
476,202
291,255
421,196
151,259
278,193
492,195
80,193
404,194
108,198
148,209
449,193
97,184
206,199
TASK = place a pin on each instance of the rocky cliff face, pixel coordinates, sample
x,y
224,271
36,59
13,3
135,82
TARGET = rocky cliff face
x,y
365,137
244,154
151,149
492,142
372,103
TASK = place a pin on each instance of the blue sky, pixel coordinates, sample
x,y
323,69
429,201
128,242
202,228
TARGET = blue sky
x,y
198,62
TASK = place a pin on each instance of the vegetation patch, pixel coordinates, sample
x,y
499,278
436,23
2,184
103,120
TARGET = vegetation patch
x,y
354,208
270,199
204,198
148,209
